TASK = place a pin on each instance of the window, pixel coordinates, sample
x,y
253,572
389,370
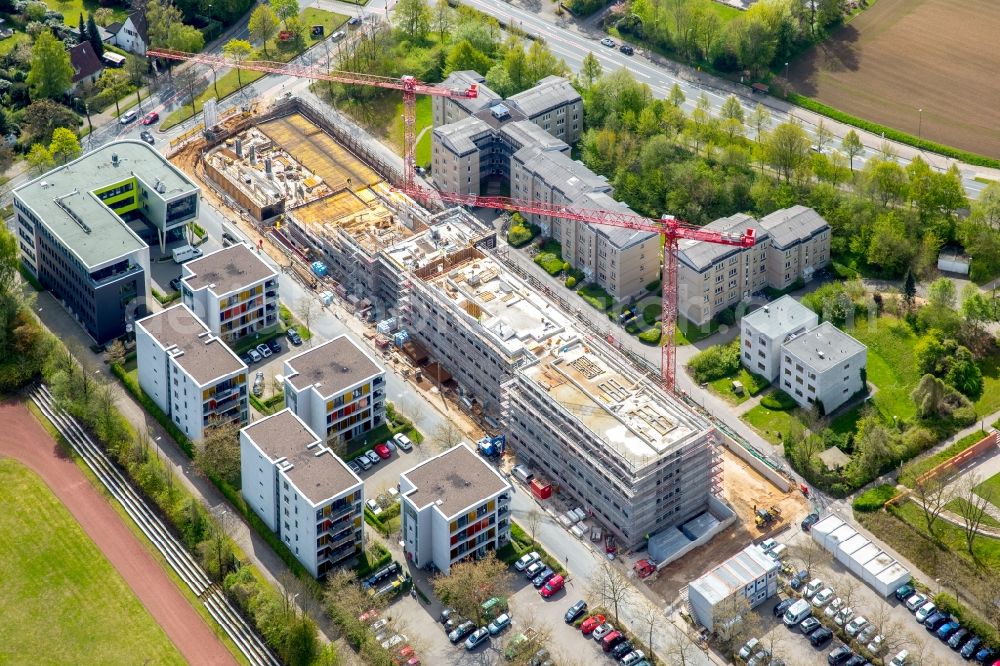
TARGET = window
x,y
760,366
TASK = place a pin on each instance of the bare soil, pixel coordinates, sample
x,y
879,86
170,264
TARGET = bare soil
x,y
904,55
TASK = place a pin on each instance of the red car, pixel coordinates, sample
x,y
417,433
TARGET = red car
x,y
591,623
383,451
150,118
554,585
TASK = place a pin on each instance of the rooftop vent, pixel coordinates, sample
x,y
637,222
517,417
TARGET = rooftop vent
x,y
161,187
114,159
767,308
821,354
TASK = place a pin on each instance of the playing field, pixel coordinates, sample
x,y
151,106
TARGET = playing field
x,y
62,601
900,56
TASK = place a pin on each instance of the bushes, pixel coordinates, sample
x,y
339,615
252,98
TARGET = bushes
x,y
778,401
651,336
132,384
570,282
552,263
967,619
716,362
874,498
520,235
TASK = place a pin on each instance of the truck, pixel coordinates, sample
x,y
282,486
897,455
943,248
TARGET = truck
x,y
185,253
491,447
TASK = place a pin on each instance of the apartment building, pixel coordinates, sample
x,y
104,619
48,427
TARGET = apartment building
x,y
616,444
750,574
192,375
792,244
554,105
445,110
480,322
83,228
766,329
824,365
302,491
232,290
455,506
336,388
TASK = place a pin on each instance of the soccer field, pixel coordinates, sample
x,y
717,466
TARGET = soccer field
x,y
62,601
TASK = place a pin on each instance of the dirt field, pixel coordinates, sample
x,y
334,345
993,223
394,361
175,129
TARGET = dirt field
x,y
743,487
903,55
24,439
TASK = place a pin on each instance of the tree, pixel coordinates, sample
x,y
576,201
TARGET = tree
x,y
680,649
218,453
972,507
186,81
811,554
611,588
160,16
884,181
591,70
94,35
676,96
786,148
852,146
104,16
64,146
760,118
444,19
909,288
464,55
734,621
263,25
305,308
51,73
448,435
239,50
891,247
413,19
941,294
932,495
823,135
499,81
285,9
115,353
182,37
471,583
115,83
732,109
40,158
542,63
82,29
531,520
873,446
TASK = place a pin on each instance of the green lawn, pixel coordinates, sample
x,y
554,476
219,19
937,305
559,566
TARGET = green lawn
x,y
771,423
230,82
71,10
892,366
63,602
688,333
752,385
989,401
956,505
990,488
596,296
423,118
8,45
986,550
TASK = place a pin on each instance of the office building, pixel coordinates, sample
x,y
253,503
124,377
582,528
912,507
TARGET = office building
x,y
337,389
302,491
824,366
750,574
83,228
766,329
233,291
192,375
455,506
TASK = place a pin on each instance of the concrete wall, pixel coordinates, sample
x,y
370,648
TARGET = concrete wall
x,y
782,483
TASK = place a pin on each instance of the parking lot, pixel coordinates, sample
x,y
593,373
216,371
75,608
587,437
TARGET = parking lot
x,y
890,616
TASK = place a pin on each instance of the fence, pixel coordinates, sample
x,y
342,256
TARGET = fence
x,y
949,466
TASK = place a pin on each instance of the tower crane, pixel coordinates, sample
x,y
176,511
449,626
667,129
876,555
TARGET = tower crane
x,y
672,229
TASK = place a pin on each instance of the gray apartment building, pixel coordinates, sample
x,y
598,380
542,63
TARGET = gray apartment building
x,y
524,141
792,244
83,227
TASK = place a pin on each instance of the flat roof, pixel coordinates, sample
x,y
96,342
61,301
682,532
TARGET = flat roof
x,y
636,419
824,347
281,435
737,572
63,202
445,235
331,367
780,317
454,480
190,343
229,269
460,136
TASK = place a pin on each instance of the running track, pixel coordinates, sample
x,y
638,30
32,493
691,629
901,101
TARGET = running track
x,y
23,438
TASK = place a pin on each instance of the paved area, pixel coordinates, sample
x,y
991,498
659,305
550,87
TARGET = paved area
x,y
24,439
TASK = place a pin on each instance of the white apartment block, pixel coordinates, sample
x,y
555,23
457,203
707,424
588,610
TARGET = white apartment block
x,y
751,574
336,388
765,330
232,290
824,365
455,506
792,244
302,491
192,375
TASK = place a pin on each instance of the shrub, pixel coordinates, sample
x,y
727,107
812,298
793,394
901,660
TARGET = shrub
x,y
570,282
552,263
519,236
651,336
967,619
716,362
778,401
874,498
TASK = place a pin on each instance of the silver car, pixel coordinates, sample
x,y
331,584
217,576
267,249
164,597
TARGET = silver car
x,y
373,457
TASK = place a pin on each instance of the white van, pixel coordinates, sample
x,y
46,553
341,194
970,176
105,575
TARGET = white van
x,y
523,474
798,611
185,253
129,117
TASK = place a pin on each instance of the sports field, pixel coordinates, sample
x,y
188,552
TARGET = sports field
x,y
900,56
62,601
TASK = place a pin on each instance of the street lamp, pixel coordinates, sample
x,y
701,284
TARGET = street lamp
x,y
920,123
787,84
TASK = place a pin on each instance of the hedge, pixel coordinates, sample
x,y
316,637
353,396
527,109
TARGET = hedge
x,y
968,619
892,134
874,499
365,566
147,403
522,544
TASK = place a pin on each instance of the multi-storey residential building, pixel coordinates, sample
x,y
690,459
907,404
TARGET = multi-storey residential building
x,y
193,376
82,230
455,506
824,365
615,443
792,244
800,245
750,574
336,388
445,110
480,322
766,329
232,290
302,491
554,105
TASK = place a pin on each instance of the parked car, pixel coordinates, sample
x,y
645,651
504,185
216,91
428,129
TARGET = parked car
x,y
363,462
822,597
901,659
820,637
258,384
799,579
543,577
945,631
150,118
255,356
175,284
382,451
379,625
809,521
575,611
393,641
461,631
778,552
446,615
592,623
809,625
264,350
856,660
833,607
552,586
477,638
915,601
534,569
611,640
867,633
372,457
971,647
368,616
925,611
274,346
905,592
499,623
607,41
933,622
147,137
855,626
602,631
128,117
843,616
453,622
839,655
958,638
293,337
985,655
875,645
228,239
814,586
353,21
762,658
619,651
632,658
402,441
373,506
354,467
782,606
749,649
526,560
626,49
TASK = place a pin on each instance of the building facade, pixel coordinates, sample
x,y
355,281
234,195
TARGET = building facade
x,y
800,245
82,230
193,376
131,34
750,574
336,388
302,491
455,506
232,290
824,366
766,329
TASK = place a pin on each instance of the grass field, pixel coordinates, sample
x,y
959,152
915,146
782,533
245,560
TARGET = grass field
x,y
61,598
752,385
900,56
9,44
71,9
891,364
914,469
